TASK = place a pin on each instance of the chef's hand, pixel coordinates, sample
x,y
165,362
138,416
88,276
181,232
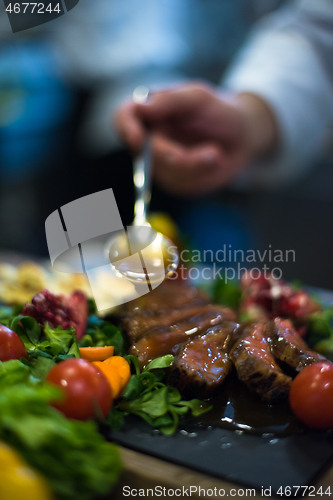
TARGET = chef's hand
x,y
201,140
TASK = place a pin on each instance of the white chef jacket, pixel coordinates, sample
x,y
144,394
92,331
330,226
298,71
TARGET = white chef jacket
x,y
288,61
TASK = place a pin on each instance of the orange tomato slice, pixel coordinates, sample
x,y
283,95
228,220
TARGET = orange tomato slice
x,y
117,371
96,353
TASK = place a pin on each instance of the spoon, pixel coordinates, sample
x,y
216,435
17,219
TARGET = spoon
x,y
146,247
142,170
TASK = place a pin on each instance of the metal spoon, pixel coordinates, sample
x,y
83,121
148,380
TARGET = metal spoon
x,y
142,169
142,239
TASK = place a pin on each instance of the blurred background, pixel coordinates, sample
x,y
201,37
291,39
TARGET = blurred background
x,y
60,84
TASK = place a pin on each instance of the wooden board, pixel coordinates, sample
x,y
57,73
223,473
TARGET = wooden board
x,y
143,471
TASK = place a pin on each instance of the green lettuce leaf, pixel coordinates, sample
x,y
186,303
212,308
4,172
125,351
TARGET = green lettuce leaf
x,y
227,293
162,362
147,397
72,455
102,333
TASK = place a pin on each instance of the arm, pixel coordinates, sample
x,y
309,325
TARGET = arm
x,y
268,129
289,65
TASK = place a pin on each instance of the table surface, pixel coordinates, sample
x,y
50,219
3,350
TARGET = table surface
x,y
143,471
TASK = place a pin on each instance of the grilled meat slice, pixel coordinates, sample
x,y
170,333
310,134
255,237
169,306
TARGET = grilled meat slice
x,y
168,296
256,366
162,340
236,334
137,325
202,364
287,345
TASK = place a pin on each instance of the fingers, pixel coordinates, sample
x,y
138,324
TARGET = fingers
x,y
194,171
165,110
183,161
130,126
181,170
132,118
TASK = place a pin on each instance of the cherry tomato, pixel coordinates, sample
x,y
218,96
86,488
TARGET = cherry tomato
x,y
86,390
311,395
11,346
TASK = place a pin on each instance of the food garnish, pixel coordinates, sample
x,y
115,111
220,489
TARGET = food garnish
x,y
86,391
101,333
96,353
73,456
311,395
117,371
146,396
19,284
66,311
264,297
18,479
11,346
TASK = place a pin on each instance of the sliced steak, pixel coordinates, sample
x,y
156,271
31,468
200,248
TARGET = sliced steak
x,y
202,364
170,295
137,325
289,347
236,334
256,366
162,340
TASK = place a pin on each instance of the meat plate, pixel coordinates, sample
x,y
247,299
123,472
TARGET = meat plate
x,y
259,461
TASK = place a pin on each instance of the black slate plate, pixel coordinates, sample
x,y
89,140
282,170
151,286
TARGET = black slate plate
x,y
249,460
245,459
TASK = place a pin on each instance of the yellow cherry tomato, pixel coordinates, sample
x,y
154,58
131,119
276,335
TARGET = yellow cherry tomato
x,y
162,223
18,479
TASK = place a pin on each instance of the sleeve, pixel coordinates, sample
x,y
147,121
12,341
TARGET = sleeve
x,y
289,63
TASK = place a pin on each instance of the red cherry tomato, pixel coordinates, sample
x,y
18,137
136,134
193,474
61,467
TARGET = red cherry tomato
x,y
86,389
11,346
311,395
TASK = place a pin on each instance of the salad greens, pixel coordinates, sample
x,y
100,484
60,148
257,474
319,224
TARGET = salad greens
x,y
320,334
47,342
145,395
72,455
227,293
103,333
149,398
45,347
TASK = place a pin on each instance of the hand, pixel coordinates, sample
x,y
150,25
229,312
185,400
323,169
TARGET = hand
x,y
201,141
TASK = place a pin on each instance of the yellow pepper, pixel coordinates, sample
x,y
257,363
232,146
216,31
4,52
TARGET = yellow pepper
x,y
18,479
163,223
